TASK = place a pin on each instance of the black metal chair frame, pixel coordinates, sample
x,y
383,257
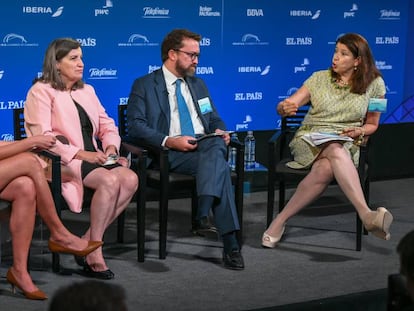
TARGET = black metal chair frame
x,y
167,183
55,183
279,155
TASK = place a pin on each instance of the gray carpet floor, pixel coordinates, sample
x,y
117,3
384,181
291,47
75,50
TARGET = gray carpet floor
x,y
315,260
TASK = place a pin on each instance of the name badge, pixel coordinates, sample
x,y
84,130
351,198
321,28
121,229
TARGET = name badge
x,y
377,105
205,105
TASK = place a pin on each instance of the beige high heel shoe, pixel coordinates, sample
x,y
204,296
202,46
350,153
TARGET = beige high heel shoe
x,y
271,241
378,223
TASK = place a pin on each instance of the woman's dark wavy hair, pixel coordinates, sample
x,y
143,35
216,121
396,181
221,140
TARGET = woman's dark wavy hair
x,y
57,50
366,72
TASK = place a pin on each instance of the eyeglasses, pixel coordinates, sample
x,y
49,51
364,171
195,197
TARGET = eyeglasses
x,y
193,56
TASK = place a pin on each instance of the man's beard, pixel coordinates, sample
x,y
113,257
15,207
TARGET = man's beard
x,y
185,72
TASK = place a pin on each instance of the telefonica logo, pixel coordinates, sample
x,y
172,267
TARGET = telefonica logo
x,y
102,74
157,12
7,137
14,39
305,13
389,15
208,11
250,39
138,39
42,10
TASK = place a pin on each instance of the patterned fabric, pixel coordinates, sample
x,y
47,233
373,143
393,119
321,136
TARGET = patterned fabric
x,y
332,109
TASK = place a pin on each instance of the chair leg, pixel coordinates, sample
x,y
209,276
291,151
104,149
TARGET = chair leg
x,y
282,195
194,206
141,224
270,202
358,233
121,227
163,219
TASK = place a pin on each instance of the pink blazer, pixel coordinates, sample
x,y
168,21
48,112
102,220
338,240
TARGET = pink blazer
x,y
52,112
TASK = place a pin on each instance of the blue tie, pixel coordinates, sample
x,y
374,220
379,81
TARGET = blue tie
x,y
185,118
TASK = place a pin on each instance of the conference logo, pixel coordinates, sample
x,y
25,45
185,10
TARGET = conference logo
x,y
105,8
389,15
382,65
305,13
207,11
138,39
43,10
299,41
254,70
12,104
150,12
302,67
351,12
254,12
7,137
249,39
152,68
205,41
204,70
292,90
245,123
392,40
248,96
87,41
14,39
102,74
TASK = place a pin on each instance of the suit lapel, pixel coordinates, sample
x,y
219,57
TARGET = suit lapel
x,y
162,94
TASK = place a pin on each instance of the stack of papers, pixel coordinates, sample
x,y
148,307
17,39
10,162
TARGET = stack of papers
x,y
318,138
214,135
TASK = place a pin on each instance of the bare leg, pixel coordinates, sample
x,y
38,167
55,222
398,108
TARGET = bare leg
x,y
113,192
334,161
308,190
21,192
27,164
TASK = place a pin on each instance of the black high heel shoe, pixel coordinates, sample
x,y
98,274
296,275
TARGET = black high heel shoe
x,y
103,275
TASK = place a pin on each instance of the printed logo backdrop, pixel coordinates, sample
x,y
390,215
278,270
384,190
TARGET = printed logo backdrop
x,y
253,53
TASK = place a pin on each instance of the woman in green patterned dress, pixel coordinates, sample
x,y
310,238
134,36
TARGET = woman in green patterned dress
x,y
339,100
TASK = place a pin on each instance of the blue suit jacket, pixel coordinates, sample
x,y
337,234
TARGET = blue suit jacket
x,y
148,111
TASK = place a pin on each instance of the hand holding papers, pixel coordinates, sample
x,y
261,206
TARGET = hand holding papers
x,y
214,135
317,138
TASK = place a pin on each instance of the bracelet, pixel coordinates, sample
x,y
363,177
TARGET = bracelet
x,y
360,138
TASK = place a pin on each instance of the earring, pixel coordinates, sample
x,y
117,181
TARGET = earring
x,y
355,68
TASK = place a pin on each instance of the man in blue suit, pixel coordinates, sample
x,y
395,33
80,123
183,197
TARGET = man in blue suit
x,y
153,114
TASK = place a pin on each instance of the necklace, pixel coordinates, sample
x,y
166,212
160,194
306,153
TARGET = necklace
x,y
341,82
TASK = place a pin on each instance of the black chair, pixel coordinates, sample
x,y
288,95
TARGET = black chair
x,y
56,186
279,155
174,185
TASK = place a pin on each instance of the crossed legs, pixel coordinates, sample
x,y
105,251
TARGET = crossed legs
x,y
113,190
333,161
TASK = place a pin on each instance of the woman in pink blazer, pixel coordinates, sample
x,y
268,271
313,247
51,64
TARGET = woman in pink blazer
x,y
61,105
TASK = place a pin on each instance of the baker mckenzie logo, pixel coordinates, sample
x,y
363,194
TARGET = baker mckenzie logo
x,y
102,74
150,12
382,65
208,11
250,39
14,39
42,10
138,39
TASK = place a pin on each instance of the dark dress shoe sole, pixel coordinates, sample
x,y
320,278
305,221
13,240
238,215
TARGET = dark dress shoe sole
x,y
102,275
209,233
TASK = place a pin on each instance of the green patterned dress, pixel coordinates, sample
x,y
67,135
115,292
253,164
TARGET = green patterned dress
x,y
332,109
